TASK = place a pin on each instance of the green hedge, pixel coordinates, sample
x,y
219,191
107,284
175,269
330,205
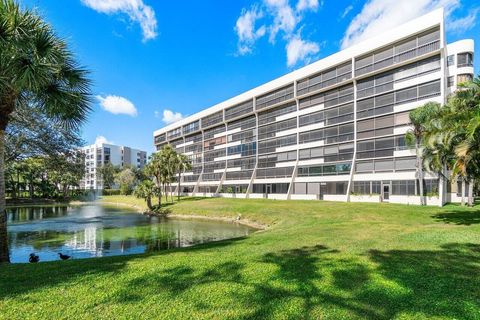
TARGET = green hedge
x,y
111,192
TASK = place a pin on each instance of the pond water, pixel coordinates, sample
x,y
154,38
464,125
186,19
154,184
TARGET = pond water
x,y
98,231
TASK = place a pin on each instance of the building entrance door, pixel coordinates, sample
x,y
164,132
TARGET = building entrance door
x,y
386,192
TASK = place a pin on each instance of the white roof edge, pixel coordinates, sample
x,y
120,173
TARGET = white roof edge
x,y
424,22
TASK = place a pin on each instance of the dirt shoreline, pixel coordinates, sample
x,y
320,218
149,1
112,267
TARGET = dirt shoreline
x,y
248,223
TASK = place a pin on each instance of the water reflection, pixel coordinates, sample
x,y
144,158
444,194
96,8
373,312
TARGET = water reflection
x,y
95,231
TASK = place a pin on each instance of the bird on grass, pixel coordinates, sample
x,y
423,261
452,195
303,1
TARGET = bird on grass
x,y
33,258
63,256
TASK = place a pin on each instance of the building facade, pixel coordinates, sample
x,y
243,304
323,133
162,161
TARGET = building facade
x,y
332,130
100,154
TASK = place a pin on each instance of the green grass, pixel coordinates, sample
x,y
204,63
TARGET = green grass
x,y
316,260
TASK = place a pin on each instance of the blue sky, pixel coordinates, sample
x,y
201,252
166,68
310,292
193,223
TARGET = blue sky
x,y
154,61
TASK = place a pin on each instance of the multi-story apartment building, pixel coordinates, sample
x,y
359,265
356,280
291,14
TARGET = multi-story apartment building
x,y
332,130
100,154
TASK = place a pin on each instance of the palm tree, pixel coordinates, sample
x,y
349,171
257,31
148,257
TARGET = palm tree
x,y
183,164
467,151
146,190
154,169
420,119
36,69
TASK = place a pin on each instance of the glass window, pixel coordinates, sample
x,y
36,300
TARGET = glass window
x,y
451,60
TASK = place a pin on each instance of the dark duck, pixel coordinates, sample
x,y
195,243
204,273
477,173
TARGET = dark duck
x,y
33,258
64,256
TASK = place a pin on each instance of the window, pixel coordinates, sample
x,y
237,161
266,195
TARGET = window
x,y
277,96
212,119
403,187
465,59
451,60
326,78
450,81
464,78
239,110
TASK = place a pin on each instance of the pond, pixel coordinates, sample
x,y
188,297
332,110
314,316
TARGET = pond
x,y
99,231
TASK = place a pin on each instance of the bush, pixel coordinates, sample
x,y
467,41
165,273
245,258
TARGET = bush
x,y
111,192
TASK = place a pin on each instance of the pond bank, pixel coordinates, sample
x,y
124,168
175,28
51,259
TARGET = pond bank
x,y
142,210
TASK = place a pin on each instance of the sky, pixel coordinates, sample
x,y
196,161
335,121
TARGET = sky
x,y
153,62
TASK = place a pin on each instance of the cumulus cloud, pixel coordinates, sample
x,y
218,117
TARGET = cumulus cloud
x,y
277,18
169,116
298,49
136,10
377,16
102,139
117,105
307,4
245,29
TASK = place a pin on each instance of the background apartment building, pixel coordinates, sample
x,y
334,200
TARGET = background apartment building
x,y
100,154
332,130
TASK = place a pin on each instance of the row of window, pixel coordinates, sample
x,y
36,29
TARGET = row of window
x,y
325,79
274,97
329,98
331,135
385,165
384,82
384,103
407,49
325,170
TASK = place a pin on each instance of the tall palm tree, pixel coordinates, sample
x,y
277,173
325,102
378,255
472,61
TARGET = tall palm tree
x,y
154,168
36,69
183,164
420,119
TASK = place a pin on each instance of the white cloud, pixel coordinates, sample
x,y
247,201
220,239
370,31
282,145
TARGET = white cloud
x,y
277,18
298,49
136,10
102,139
463,24
346,11
245,29
169,116
380,15
117,105
307,4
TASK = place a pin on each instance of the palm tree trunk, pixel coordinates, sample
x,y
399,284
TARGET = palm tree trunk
x,y
470,193
4,255
178,188
463,191
420,173
149,203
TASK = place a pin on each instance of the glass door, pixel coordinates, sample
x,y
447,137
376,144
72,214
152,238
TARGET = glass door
x,y
386,192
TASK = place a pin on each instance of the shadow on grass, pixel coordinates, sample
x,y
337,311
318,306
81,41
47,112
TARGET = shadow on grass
x,y
302,283
21,278
313,282
466,218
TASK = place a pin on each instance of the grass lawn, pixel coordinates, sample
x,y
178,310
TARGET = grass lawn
x,y
316,260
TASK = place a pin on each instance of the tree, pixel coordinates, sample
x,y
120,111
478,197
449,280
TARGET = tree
x,y
154,169
126,180
31,133
107,174
183,164
36,69
420,118
146,190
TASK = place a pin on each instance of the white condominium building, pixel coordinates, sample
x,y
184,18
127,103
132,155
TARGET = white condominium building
x,y
100,154
332,130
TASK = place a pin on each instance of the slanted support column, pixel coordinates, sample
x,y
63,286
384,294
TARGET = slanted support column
x,y
294,175
250,184
350,181
224,175
195,190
